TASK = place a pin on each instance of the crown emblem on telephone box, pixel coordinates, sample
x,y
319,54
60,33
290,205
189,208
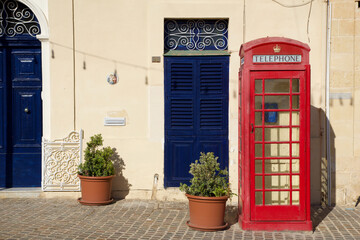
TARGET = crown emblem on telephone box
x,y
277,48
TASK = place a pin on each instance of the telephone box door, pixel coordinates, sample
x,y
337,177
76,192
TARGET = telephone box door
x,y
277,145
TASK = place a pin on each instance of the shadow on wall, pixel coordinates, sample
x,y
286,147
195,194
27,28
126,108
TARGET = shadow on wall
x,y
121,185
319,167
319,160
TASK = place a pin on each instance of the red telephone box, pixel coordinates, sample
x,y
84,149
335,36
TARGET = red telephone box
x,y
274,135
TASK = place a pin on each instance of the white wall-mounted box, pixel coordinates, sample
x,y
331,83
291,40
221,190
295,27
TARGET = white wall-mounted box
x,y
114,121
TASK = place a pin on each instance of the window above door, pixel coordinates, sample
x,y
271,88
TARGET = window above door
x,y
195,34
17,20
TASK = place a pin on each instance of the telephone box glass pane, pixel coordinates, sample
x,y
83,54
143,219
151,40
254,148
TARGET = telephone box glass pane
x,y
295,166
277,166
277,182
277,150
258,182
258,166
258,118
295,181
258,150
258,86
295,85
277,86
258,102
258,134
277,198
277,102
295,198
284,118
295,102
295,150
258,198
295,118
277,134
295,135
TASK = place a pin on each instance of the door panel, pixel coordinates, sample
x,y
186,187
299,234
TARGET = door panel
x,y
277,164
26,120
21,117
179,148
217,145
196,112
26,170
25,63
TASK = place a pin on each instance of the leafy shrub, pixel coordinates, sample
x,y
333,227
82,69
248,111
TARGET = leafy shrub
x,y
97,161
208,180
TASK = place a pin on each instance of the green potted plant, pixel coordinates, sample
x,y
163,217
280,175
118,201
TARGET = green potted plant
x,y
207,194
96,173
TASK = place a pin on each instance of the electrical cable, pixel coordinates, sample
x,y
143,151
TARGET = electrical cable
x,y
292,6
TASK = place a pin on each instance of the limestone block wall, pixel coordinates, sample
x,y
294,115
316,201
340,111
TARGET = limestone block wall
x,y
345,101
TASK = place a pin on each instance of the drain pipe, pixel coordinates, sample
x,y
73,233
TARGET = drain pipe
x,y
327,97
154,189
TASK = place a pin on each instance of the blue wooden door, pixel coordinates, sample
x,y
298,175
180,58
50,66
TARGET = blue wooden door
x,y
196,113
20,116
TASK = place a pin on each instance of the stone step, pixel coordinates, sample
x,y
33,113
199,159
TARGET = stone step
x,y
35,192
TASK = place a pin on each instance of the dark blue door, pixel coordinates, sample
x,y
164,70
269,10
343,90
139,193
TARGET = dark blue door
x,y
196,113
20,115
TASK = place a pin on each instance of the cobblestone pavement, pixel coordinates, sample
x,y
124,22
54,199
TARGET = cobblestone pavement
x,y
135,219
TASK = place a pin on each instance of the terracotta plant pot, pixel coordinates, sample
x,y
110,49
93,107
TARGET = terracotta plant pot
x,y
207,213
95,190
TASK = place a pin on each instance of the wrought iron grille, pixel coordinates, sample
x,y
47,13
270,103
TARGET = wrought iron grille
x,y
196,34
16,19
61,158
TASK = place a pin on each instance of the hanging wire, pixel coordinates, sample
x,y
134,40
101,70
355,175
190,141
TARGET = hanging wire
x,y
308,21
101,57
292,6
300,5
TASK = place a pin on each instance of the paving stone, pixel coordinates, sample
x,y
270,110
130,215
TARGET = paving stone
x,y
136,219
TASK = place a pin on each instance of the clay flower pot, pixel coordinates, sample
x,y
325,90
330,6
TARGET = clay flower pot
x,y
95,190
207,213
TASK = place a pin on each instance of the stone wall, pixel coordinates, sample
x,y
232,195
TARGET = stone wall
x,y
345,100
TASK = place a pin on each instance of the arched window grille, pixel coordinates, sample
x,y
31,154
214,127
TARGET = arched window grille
x,y
17,19
196,34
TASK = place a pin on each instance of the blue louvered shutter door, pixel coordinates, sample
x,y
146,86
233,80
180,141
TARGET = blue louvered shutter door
x,y
179,119
196,109
213,95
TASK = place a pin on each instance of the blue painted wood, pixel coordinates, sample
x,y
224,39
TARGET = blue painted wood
x,y
20,158
2,120
196,113
2,99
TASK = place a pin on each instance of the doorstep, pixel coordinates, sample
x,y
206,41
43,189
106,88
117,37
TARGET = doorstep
x,y
35,192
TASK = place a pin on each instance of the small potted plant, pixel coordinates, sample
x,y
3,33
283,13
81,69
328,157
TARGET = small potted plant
x,y
96,173
207,194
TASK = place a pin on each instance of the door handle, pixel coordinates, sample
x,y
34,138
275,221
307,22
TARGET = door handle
x,y
26,110
252,128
